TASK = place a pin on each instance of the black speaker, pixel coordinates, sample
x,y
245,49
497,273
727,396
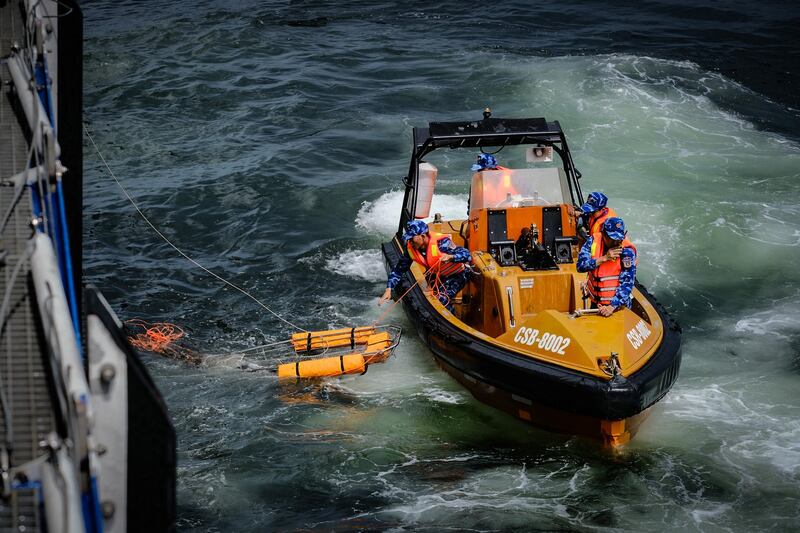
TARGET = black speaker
x,y
563,247
504,253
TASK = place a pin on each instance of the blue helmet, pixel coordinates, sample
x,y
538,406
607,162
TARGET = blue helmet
x,y
414,227
614,228
595,201
485,161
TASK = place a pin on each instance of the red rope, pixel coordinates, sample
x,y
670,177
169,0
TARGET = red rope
x,y
383,315
437,288
153,337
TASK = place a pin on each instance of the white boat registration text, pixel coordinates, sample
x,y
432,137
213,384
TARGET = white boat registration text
x,y
638,334
548,341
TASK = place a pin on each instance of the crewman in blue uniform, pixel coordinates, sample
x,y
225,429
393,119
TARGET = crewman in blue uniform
x,y
594,212
485,162
610,259
444,262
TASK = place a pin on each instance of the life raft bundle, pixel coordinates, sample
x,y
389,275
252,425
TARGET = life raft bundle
x,y
308,354
339,351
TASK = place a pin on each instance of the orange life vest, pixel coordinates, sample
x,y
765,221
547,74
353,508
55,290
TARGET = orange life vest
x,y
432,256
604,280
598,217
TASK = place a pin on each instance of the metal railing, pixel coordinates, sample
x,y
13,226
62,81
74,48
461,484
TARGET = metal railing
x,y
64,475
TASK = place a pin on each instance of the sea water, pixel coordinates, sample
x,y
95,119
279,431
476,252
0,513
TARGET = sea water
x,y
268,141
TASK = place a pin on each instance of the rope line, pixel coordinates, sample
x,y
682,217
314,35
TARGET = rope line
x,y
383,315
265,348
185,256
435,287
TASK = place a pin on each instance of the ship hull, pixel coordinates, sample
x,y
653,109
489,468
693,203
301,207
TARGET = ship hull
x,y
541,393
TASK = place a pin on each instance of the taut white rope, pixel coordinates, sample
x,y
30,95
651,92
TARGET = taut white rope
x,y
198,265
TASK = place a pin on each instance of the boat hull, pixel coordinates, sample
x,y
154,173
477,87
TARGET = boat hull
x,y
541,393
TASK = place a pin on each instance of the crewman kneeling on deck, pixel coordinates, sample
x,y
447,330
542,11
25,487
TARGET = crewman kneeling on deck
x,y
610,259
594,212
445,263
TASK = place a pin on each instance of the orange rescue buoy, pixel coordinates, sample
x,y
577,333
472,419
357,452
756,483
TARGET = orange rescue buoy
x,y
326,367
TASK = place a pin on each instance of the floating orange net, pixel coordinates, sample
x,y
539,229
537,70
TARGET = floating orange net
x,y
154,337
160,338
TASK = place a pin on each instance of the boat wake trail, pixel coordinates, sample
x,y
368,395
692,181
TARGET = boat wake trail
x,y
381,216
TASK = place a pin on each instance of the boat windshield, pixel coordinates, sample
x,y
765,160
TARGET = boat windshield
x,y
518,188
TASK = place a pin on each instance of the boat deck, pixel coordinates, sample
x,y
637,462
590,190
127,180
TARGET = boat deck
x,y
28,417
